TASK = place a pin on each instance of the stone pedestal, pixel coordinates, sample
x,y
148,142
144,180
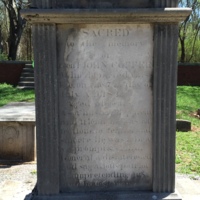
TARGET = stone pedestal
x,y
17,133
105,87
17,141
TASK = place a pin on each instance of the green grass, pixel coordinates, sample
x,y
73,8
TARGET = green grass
x,y
9,94
188,101
34,172
188,143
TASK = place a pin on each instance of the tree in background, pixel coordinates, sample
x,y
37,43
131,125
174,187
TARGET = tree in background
x,y
189,29
12,26
25,51
16,24
1,46
2,30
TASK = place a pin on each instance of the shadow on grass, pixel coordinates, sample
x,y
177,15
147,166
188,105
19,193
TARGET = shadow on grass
x,y
9,94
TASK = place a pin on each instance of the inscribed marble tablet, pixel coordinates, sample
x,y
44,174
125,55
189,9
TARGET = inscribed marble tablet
x,y
105,107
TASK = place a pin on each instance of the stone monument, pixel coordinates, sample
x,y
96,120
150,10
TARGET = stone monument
x,y
105,87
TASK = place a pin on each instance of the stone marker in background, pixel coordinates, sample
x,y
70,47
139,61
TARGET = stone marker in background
x,y
183,125
105,86
17,132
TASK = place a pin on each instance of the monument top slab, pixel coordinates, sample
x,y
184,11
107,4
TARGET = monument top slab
x,y
116,16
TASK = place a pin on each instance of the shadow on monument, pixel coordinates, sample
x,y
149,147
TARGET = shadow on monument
x,y
28,197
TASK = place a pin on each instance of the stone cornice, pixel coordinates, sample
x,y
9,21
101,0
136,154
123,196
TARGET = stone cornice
x,y
106,16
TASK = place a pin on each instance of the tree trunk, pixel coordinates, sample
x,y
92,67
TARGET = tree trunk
x,y
1,47
12,51
182,42
16,26
14,40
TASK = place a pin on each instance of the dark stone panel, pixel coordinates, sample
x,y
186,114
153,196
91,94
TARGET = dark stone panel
x,y
43,3
103,4
165,3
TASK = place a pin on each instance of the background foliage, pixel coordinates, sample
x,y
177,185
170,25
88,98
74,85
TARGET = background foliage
x,y
187,147
15,34
189,33
16,45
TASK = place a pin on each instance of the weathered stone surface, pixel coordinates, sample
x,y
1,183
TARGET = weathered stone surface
x,y
183,125
106,16
105,93
17,132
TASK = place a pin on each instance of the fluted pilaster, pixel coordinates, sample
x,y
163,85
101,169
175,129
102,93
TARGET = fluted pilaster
x,y
46,108
165,79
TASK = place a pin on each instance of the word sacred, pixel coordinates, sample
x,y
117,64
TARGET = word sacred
x,y
107,32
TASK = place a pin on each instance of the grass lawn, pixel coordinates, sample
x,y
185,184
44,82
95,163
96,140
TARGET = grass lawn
x,y
188,143
9,94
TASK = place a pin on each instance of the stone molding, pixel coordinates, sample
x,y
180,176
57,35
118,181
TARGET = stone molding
x,y
112,196
106,16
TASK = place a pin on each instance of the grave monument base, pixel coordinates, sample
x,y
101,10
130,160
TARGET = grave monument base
x,y
113,196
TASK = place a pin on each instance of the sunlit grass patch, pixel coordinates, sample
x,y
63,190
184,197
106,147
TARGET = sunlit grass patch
x,y
188,143
9,94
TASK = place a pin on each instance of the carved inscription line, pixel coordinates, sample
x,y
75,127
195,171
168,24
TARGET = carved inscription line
x,y
108,157
91,167
142,64
86,131
106,175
